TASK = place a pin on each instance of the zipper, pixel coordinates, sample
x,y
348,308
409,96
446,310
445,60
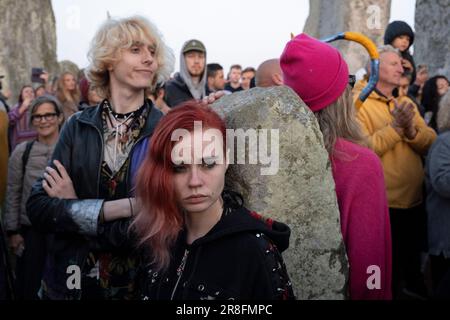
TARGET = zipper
x,y
180,271
101,154
100,162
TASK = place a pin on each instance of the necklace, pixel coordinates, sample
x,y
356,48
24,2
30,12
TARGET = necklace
x,y
119,127
119,115
120,132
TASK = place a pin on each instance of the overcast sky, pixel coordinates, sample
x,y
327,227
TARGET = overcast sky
x,y
233,31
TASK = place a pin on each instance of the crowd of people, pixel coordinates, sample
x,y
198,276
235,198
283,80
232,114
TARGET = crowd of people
x,y
88,177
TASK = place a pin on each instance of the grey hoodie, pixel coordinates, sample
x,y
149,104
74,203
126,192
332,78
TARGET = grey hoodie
x,y
197,91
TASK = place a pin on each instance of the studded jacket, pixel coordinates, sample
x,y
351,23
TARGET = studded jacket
x,y
238,259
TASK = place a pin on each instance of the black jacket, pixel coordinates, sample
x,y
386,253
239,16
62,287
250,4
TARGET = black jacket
x,y
406,55
176,91
72,225
239,258
6,276
228,87
396,29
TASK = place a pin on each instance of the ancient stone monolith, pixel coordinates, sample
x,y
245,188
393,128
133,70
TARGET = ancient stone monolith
x,y
432,38
330,17
300,189
27,40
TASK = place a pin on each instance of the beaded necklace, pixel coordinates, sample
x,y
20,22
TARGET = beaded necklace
x,y
119,125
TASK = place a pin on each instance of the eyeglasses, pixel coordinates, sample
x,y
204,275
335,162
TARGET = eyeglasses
x,y
46,116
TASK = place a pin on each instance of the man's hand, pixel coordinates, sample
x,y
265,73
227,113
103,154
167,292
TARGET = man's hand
x,y
403,114
15,241
404,118
407,65
58,184
214,96
24,106
44,76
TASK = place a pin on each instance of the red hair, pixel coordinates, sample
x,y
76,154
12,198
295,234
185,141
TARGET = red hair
x,y
159,222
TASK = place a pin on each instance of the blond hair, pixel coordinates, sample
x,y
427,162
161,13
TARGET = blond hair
x,y
63,94
388,48
338,120
113,36
443,116
382,49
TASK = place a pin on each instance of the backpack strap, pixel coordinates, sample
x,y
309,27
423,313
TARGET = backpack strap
x,y
26,155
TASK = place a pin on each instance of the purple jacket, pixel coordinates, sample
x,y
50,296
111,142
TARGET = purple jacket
x,y
20,129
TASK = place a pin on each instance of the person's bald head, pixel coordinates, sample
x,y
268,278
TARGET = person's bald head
x,y
269,74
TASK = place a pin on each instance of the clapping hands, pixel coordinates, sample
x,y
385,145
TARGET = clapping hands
x,y
404,119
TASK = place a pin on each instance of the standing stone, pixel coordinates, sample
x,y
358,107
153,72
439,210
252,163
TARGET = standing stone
x,y
432,39
330,17
27,40
301,193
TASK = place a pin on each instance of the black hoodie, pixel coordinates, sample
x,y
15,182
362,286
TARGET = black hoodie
x,y
396,29
239,258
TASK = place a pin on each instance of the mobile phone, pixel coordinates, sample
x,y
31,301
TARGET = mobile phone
x,y
36,75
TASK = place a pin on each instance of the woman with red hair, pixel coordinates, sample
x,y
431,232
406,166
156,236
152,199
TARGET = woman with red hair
x,y
200,241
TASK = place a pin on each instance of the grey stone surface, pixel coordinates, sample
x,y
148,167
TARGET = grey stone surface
x,y
27,40
300,194
329,17
432,38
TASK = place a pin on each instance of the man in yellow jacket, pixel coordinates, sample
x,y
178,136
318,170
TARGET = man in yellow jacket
x,y
400,137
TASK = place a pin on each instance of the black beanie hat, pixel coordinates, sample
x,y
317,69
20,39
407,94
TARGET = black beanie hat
x,y
396,29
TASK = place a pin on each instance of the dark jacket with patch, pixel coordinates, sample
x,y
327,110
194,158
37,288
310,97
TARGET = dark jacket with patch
x,y
239,258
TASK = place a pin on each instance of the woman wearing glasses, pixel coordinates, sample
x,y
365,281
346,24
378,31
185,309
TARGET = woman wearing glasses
x,y
26,164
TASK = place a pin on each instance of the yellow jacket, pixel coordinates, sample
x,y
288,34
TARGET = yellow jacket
x,y
401,157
